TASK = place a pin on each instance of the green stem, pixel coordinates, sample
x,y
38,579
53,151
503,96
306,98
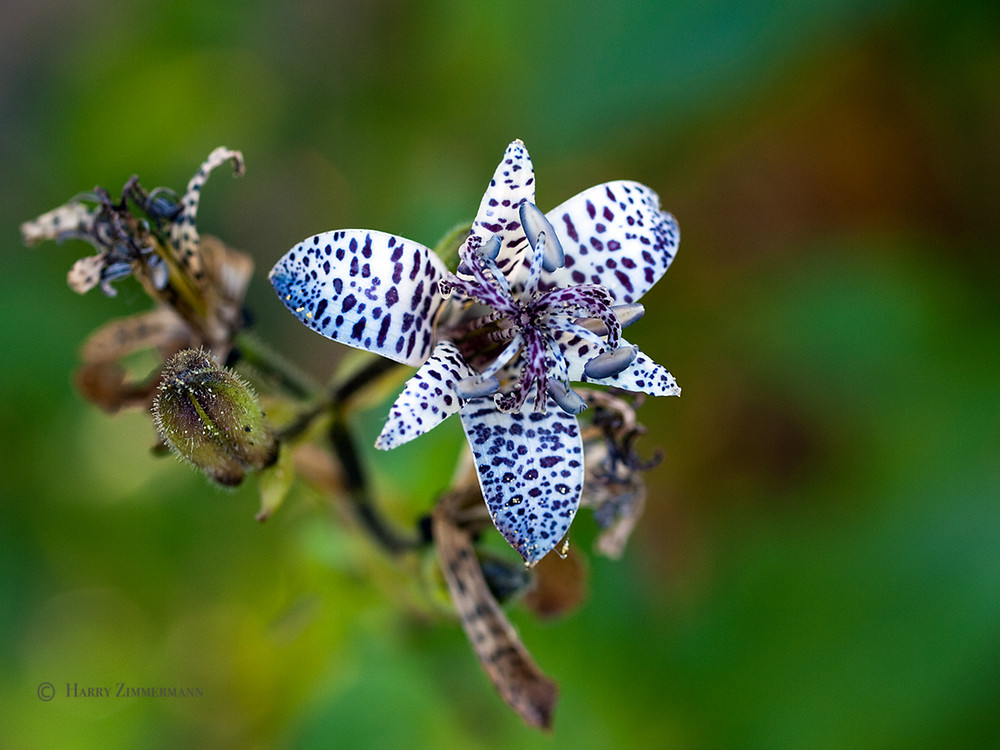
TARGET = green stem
x,y
336,396
331,401
341,392
371,520
288,376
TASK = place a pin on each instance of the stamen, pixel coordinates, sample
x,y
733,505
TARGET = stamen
x,y
463,329
629,313
500,335
534,223
569,400
476,387
490,249
557,362
626,315
610,363
530,327
566,326
535,370
537,260
504,357
490,289
486,274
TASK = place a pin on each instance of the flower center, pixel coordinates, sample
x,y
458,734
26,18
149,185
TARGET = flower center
x,y
519,343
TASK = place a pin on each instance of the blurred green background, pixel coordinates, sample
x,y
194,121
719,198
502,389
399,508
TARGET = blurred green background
x,y
819,564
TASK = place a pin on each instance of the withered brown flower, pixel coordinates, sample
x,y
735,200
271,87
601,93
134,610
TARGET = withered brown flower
x,y
197,282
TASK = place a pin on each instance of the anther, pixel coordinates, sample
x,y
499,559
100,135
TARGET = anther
x,y
490,249
626,314
476,387
629,313
610,363
569,400
534,223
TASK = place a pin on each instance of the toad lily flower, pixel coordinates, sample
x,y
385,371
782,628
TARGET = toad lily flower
x,y
537,302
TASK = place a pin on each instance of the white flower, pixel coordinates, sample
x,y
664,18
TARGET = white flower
x,y
538,302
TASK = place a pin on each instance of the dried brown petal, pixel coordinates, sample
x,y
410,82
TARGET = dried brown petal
x,y
70,220
517,678
228,272
86,273
183,233
560,585
628,506
101,378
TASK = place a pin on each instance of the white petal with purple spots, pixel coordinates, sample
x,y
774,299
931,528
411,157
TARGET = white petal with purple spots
x,y
530,467
428,398
183,232
366,289
642,376
499,211
614,235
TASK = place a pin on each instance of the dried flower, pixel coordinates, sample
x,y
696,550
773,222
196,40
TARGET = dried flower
x,y
614,487
197,282
538,301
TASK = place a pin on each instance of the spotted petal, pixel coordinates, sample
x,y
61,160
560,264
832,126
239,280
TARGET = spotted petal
x,y
530,467
499,211
615,235
183,233
366,289
428,398
642,376
72,220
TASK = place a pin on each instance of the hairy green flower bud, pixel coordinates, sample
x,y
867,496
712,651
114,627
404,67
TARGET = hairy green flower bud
x,y
208,415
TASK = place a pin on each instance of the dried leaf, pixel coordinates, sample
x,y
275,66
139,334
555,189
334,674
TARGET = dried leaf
x,y
101,378
228,273
560,585
507,662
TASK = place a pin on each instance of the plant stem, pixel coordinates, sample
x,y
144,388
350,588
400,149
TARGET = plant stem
x,y
341,392
261,356
332,400
371,520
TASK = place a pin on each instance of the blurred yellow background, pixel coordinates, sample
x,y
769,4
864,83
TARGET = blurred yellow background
x,y
819,563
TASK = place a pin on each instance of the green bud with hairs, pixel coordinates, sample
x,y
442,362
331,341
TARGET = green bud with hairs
x,y
211,417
